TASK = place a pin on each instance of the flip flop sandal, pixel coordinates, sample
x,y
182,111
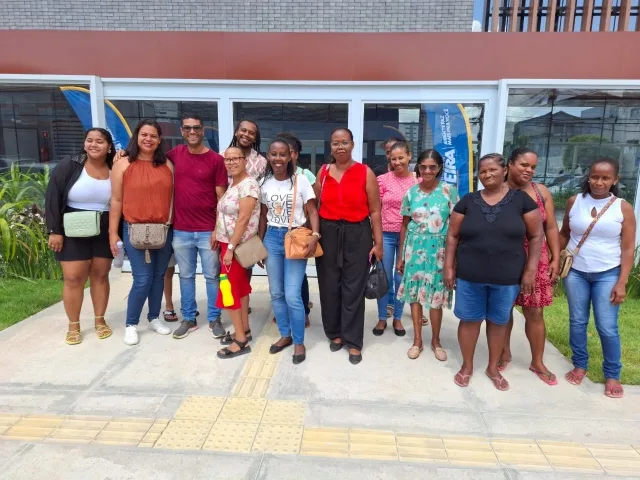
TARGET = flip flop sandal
x,y
74,337
461,379
425,321
170,316
499,382
503,364
575,378
414,352
440,353
613,391
226,353
229,338
548,378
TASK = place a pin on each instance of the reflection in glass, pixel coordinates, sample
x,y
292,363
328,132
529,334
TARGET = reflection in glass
x,y
168,114
312,123
39,126
570,129
410,121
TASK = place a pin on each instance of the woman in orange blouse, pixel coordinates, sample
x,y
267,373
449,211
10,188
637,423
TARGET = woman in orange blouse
x,y
142,192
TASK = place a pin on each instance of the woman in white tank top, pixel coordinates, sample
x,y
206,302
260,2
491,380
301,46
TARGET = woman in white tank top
x,y
81,183
600,269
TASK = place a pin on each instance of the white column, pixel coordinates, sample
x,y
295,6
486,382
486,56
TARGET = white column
x,y
225,122
356,125
98,118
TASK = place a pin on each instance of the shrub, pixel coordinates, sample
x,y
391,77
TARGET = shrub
x,y
24,252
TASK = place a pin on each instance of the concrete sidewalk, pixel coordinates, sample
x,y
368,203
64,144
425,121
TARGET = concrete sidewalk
x,y
295,421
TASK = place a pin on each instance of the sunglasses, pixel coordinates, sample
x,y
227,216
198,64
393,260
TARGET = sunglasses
x,y
195,128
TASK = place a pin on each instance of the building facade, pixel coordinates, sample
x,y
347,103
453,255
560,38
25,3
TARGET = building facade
x,y
555,75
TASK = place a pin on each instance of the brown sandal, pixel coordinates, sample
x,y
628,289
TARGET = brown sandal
x,y
74,337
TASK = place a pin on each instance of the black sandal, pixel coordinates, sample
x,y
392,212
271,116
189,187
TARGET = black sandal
x,y
226,353
170,316
228,339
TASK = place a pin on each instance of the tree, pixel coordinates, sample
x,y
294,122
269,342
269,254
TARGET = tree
x,y
584,149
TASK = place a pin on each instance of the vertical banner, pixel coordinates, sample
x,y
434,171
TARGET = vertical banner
x,y
452,139
80,100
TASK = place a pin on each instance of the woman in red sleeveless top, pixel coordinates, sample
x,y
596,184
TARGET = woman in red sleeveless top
x,y
351,233
142,192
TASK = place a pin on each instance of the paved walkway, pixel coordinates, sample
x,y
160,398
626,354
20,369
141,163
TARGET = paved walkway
x,y
170,409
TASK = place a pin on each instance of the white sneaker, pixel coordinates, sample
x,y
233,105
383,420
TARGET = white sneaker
x,y
131,335
159,326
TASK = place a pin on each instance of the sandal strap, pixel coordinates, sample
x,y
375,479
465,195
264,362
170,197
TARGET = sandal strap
x,y
239,343
100,316
74,323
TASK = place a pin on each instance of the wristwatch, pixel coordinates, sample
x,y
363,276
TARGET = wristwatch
x,y
231,247
316,234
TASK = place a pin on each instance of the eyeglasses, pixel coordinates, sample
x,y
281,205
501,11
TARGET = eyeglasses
x,y
431,168
340,144
233,159
195,128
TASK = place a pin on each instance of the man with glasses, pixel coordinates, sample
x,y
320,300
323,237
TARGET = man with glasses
x,y
200,181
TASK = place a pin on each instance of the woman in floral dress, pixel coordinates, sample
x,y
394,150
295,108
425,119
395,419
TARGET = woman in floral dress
x,y
425,210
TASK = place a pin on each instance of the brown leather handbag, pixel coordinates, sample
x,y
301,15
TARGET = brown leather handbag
x,y
297,239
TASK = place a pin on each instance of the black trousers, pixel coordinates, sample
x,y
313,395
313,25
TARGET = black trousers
x,y
342,278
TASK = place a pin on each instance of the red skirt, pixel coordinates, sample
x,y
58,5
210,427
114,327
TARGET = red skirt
x,y
237,275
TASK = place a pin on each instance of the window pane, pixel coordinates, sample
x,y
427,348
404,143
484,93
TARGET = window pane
x,y
40,125
570,129
312,123
168,114
412,122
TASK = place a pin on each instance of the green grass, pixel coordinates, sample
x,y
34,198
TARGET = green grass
x,y
557,321
20,299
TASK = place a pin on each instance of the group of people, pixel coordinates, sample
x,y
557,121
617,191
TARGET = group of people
x,y
497,247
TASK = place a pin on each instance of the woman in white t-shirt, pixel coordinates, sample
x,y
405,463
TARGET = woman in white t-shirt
x,y
286,275
600,270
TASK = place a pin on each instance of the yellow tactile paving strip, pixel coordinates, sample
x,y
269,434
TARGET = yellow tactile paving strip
x,y
261,366
245,425
247,422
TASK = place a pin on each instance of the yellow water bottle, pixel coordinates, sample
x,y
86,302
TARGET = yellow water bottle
x,y
225,288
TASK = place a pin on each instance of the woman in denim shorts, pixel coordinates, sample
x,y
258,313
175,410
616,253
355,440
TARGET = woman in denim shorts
x,y
486,262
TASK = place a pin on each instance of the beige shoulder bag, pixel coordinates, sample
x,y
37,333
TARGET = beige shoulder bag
x,y
296,240
249,252
151,236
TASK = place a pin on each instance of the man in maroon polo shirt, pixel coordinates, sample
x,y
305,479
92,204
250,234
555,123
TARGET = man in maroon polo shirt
x,y
200,181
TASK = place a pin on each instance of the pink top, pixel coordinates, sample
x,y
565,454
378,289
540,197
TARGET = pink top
x,y
392,190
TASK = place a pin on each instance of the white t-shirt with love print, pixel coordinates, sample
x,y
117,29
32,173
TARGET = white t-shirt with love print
x,y
278,197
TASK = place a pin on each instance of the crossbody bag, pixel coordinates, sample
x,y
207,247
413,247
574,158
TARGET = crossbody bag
x,y
82,224
566,255
151,236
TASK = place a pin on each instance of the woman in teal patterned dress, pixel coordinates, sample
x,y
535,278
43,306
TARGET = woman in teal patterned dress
x,y
426,208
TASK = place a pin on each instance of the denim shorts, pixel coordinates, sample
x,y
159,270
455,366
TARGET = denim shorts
x,y
476,302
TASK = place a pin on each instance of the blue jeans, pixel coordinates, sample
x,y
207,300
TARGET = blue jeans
x,y
148,278
285,285
583,290
186,246
390,246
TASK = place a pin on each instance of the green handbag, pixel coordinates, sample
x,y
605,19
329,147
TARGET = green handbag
x,y
82,224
